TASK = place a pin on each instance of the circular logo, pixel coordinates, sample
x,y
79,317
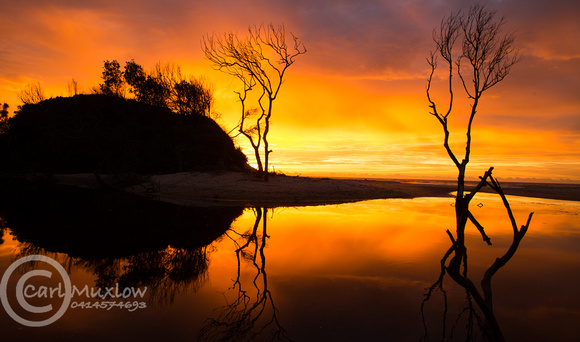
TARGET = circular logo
x,y
20,291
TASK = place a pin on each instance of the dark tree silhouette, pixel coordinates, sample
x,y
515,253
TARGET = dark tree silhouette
x,y
260,62
165,86
193,97
147,88
484,58
4,118
186,95
113,83
135,77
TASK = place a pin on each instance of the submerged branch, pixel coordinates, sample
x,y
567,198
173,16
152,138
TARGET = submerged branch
x,y
479,227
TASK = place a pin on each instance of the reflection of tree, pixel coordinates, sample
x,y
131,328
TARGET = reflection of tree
x,y
454,263
253,311
120,238
165,273
92,224
2,228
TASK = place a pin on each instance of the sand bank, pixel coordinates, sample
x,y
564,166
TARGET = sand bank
x,y
233,188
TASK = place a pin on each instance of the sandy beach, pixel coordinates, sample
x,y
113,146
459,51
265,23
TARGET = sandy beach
x,y
233,188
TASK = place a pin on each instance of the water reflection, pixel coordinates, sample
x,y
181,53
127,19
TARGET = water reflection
x,y
253,312
98,224
119,238
165,273
476,319
466,322
342,273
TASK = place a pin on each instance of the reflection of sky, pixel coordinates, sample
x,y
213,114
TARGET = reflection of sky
x,y
358,272
8,246
366,264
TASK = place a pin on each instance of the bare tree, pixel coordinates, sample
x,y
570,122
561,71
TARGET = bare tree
x,y
73,87
31,93
187,95
253,133
472,47
259,61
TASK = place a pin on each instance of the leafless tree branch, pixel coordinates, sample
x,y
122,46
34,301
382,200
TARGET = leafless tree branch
x,y
261,59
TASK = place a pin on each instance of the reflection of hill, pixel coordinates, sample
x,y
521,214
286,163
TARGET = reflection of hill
x,y
93,224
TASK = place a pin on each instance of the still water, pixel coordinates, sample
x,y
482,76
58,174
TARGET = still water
x,y
345,272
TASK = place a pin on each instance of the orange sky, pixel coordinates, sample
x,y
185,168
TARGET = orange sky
x,y
355,104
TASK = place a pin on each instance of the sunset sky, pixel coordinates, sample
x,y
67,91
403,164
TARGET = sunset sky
x,y
354,105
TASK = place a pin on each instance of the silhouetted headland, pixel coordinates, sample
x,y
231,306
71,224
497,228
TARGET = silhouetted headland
x,y
104,134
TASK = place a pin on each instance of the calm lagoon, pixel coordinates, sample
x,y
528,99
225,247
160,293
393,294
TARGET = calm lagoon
x,y
346,272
